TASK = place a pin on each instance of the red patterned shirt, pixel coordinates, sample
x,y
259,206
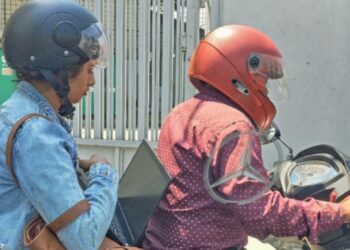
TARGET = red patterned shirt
x,y
188,218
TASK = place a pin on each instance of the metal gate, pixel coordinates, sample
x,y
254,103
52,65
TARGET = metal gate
x,y
152,41
151,44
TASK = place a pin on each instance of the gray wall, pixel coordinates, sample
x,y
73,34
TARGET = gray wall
x,y
314,37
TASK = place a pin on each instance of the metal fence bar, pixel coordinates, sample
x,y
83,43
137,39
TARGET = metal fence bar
x,y
88,4
81,119
79,129
109,70
133,70
88,115
129,66
167,59
177,49
158,72
143,68
183,50
192,39
153,69
120,70
113,70
77,121
98,107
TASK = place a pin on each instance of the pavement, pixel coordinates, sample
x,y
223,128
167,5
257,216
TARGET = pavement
x,y
276,243
254,244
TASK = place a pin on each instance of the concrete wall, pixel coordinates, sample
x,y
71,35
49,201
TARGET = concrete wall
x,y
118,157
118,153
314,37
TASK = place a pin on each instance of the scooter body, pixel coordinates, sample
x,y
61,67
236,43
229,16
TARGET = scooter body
x,y
321,172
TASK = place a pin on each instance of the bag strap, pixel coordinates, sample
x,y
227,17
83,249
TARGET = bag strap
x,y
69,215
12,136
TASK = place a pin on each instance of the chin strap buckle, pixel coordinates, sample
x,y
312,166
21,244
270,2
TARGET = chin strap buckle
x,y
67,109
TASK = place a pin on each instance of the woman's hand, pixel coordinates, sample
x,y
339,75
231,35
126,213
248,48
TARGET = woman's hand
x,y
86,164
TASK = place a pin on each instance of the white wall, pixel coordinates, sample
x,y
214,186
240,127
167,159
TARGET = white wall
x,y
118,153
314,37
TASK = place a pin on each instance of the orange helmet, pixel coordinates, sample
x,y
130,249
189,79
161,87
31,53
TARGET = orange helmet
x,y
238,61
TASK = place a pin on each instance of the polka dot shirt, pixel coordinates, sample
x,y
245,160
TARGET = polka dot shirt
x,y
188,218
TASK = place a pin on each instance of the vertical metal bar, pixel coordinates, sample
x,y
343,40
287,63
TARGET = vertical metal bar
x,y
158,73
88,4
154,71
167,59
118,160
183,71
178,51
207,15
83,3
1,22
182,48
88,116
215,13
103,77
128,65
192,39
143,68
113,62
109,71
98,88
120,69
133,70
130,72
77,121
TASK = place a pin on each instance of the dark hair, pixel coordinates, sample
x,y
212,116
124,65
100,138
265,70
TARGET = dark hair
x,y
24,74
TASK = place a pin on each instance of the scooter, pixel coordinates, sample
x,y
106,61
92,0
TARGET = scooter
x,y
321,172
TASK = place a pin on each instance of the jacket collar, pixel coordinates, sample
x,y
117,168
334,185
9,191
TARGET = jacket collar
x,y
28,90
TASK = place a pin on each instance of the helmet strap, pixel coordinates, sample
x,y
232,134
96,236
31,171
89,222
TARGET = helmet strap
x,y
61,87
66,109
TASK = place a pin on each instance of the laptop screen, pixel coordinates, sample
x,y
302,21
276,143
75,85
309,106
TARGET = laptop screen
x,y
141,188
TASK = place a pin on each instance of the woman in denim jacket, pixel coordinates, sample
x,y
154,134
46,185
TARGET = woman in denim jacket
x,y
53,47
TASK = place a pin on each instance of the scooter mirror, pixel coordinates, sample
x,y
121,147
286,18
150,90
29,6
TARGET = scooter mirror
x,y
270,135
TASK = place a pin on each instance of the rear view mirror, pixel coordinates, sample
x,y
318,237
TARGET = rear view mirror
x,y
270,135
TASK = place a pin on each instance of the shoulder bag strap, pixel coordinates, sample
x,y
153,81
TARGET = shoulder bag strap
x,y
69,215
11,137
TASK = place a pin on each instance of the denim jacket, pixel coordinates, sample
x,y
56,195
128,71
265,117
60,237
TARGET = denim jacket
x,y
44,158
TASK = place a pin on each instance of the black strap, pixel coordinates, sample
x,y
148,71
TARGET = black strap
x,y
61,86
59,83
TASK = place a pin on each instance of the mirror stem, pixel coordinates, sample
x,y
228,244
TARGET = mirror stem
x,y
290,150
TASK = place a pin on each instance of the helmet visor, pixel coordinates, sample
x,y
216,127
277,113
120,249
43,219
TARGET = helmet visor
x,y
94,44
270,72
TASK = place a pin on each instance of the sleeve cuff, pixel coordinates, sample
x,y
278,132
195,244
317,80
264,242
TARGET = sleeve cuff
x,y
102,169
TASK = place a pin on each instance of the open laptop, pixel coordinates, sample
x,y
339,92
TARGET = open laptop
x,y
141,188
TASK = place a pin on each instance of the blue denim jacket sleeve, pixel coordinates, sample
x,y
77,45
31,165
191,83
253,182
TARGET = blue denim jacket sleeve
x,y
47,177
